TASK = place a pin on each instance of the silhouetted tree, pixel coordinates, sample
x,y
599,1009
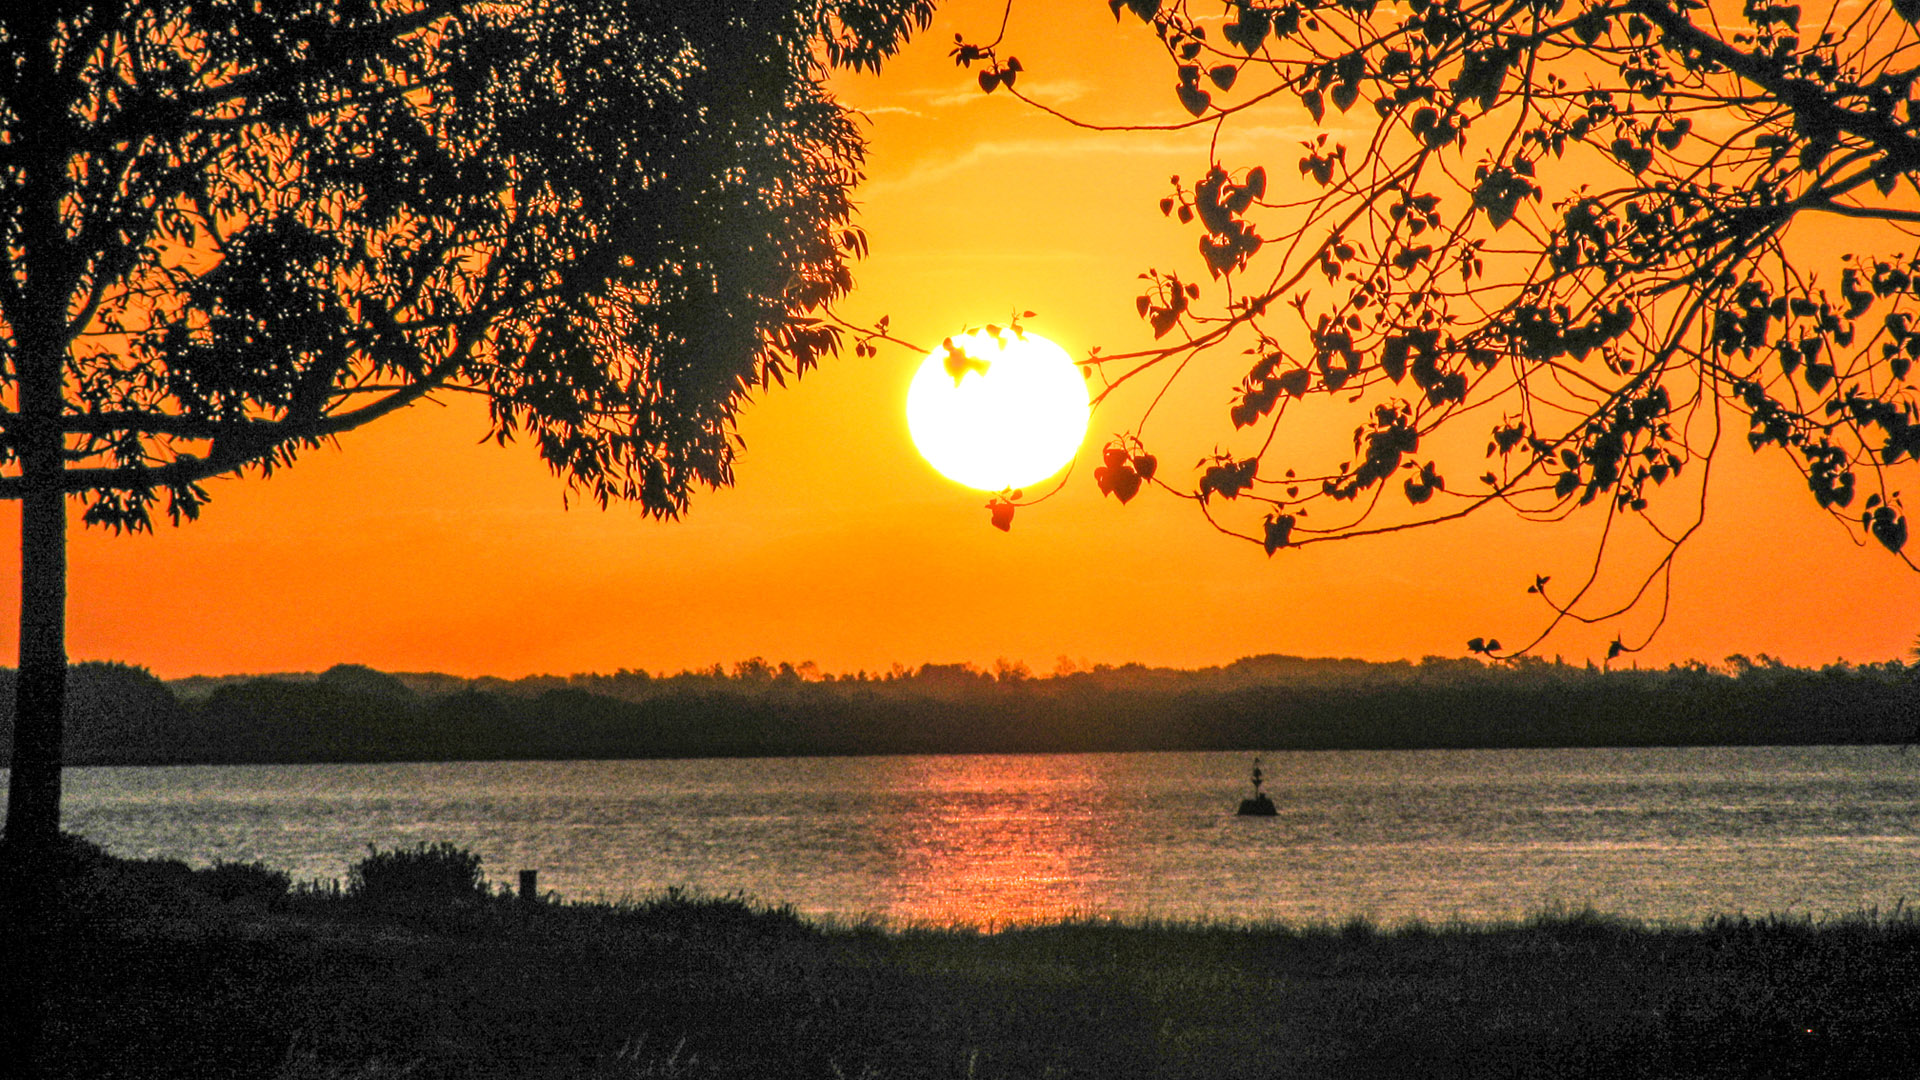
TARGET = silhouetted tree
x,y
1583,234
361,679
233,231
113,712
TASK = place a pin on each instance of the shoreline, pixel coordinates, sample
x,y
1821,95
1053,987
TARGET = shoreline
x,y
1895,747
163,971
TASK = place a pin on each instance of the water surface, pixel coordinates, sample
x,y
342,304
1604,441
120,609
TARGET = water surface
x,y
1657,834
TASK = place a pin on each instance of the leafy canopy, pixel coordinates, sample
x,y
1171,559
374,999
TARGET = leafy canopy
x,y
241,229
1540,252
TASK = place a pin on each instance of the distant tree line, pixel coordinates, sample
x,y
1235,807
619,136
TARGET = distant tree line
x,y
120,714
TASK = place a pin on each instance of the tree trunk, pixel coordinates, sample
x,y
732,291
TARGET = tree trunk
x,y
47,270
39,719
33,797
28,850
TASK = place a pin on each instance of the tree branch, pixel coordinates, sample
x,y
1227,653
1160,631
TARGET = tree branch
x,y
1804,98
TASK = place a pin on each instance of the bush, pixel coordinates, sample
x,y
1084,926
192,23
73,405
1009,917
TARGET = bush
x,y
424,875
254,881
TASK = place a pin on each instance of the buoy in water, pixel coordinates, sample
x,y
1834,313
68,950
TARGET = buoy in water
x,y
1258,805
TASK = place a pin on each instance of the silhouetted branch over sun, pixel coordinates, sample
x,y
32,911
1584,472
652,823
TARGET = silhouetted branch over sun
x,y
1540,255
234,231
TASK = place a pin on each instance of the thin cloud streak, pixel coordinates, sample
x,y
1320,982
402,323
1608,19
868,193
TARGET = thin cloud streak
x,y
1252,141
1054,92
887,110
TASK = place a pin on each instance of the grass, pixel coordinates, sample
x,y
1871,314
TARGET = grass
x,y
162,971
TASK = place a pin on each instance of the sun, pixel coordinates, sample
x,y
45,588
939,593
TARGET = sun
x,y
995,409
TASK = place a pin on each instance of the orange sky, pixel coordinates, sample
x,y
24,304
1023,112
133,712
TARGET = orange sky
x,y
412,547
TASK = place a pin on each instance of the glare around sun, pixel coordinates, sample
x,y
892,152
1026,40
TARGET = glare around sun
x,y
997,412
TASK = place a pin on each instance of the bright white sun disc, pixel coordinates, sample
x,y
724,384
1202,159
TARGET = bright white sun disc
x,y
1013,416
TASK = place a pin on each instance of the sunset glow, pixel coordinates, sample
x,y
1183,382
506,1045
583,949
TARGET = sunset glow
x,y
411,545
996,409
991,537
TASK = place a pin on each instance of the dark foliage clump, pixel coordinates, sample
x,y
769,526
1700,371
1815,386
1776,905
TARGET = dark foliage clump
x,y
238,882
361,679
114,712
422,876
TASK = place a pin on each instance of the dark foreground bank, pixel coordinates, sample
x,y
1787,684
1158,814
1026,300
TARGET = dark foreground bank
x,y
417,970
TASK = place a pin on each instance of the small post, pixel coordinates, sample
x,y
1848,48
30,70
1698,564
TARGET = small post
x,y
529,886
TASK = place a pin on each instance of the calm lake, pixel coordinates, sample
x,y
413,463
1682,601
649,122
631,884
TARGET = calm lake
x,y
1658,834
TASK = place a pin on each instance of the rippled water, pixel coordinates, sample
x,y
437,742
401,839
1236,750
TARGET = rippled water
x,y
1659,834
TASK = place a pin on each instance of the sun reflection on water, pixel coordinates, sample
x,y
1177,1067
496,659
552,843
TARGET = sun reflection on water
x,y
996,841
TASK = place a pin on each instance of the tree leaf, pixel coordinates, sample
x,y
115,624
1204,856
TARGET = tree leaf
x,y
1118,480
1318,106
1279,532
1250,32
1393,357
1890,528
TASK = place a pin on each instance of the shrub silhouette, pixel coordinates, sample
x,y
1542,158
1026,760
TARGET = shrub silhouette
x,y
425,875
237,881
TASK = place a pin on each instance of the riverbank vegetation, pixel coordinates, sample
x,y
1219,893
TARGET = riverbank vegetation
x,y
158,970
119,714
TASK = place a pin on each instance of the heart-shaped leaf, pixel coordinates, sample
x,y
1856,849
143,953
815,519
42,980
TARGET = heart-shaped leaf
x,y
1117,477
1279,532
1393,358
